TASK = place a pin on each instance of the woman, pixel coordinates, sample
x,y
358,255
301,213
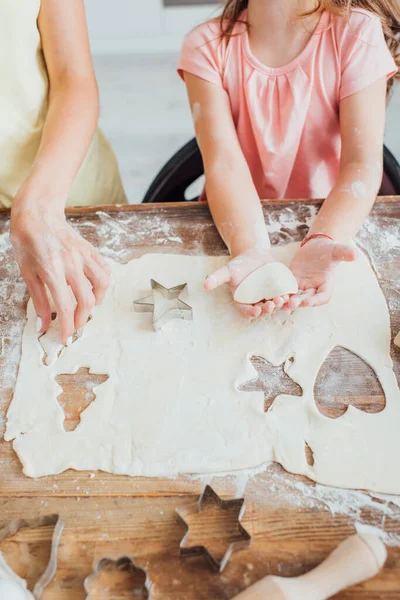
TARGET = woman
x,y
53,155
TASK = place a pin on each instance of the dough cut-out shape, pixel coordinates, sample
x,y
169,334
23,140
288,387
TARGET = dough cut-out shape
x,y
213,528
265,283
273,381
346,380
100,583
50,341
397,340
77,395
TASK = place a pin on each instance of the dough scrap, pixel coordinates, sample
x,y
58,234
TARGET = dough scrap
x,y
266,282
170,405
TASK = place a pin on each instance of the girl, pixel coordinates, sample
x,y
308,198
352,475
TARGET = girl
x,y
288,101
52,154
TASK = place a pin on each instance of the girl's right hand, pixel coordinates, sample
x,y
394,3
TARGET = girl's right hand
x,y
52,255
233,274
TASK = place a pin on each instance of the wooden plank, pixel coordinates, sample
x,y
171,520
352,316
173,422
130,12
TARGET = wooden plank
x,y
108,515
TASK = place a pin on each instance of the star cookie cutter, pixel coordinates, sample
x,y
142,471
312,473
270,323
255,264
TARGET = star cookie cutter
x,y
122,564
243,538
181,310
13,527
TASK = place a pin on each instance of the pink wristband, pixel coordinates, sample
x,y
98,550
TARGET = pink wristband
x,y
312,236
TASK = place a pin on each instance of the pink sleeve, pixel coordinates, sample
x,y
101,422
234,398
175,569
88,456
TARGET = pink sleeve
x,y
201,54
365,57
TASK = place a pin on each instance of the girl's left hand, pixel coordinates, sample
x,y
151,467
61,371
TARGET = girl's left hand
x,y
313,266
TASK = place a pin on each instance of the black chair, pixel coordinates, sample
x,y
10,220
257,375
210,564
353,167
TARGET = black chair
x,y
186,166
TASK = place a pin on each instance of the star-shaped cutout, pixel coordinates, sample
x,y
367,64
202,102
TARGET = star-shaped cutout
x,y
213,528
273,381
165,304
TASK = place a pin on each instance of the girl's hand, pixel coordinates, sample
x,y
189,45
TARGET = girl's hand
x,y
235,271
313,266
51,253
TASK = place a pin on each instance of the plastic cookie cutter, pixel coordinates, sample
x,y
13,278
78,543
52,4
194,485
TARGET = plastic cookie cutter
x,y
165,304
124,564
238,537
10,581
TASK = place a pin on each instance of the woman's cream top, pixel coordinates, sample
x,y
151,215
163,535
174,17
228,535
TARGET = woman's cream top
x,y
23,109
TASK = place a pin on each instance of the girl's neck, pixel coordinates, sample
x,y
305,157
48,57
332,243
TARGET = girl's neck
x,y
276,16
276,33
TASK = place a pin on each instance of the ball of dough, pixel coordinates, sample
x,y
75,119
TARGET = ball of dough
x,y
266,282
11,590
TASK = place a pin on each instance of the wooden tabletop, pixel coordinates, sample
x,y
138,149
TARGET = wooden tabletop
x,y
293,522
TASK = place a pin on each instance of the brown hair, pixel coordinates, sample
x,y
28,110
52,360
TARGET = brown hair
x,y
387,10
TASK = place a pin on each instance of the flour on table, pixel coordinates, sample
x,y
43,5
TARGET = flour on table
x,y
172,405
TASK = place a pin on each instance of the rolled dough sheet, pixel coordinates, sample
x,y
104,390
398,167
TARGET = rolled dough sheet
x,y
171,404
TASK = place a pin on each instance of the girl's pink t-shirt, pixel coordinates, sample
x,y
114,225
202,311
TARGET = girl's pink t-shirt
x,y
287,118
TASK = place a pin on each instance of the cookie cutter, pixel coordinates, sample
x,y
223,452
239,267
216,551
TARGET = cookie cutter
x,y
243,538
122,564
14,526
181,310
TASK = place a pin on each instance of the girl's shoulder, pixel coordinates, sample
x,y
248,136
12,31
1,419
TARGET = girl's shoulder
x,y
212,31
359,24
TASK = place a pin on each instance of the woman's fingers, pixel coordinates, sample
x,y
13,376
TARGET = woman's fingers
x,y
64,304
38,293
84,296
99,278
223,275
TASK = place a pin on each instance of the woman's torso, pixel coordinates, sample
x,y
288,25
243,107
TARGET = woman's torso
x,y
23,109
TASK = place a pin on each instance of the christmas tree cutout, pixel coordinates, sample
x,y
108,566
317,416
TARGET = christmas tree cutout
x,y
77,395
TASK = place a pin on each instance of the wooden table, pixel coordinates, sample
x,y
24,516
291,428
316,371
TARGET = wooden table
x,y
294,523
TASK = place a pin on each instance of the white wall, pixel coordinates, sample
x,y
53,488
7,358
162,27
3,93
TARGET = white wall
x,y
123,26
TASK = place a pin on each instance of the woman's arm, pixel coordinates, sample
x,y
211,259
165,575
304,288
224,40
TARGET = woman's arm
x,y
231,194
49,251
362,121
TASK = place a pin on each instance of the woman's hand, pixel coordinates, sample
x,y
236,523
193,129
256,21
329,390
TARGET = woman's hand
x,y
51,253
235,271
313,266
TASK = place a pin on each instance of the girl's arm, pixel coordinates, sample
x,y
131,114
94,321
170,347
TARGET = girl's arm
x,y
233,199
362,118
49,251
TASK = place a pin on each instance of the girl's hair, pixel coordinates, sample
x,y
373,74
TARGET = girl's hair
x,y
387,10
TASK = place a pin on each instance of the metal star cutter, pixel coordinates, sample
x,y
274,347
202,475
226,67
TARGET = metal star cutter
x,y
165,304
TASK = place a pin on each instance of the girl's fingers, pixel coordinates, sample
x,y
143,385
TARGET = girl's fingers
x,y
223,275
85,298
322,295
38,293
249,311
300,298
279,302
268,308
344,253
99,278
